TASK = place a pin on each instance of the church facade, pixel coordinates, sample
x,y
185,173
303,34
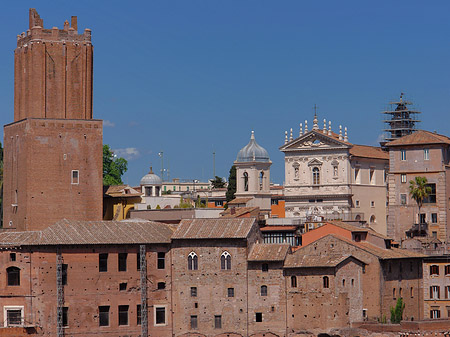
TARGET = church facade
x,y
327,177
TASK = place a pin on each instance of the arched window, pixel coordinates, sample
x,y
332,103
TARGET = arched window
x,y
316,176
192,261
326,282
261,179
294,281
245,181
13,274
372,219
225,261
263,290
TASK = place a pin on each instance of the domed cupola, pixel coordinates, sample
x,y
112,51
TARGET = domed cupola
x,y
151,179
253,152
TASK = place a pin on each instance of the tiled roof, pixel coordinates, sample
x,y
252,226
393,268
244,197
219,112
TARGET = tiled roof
x,y
238,201
121,191
238,212
366,151
298,260
420,137
69,232
268,252
236,228
352,228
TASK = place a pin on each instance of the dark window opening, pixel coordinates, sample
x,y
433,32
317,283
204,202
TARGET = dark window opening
x,y
138,315
138,261
12,257
64,275
225,261
326,282
160,315
217,322
65,316
123,286
263,290
123,261
258,316
434,270
193,291
161,285
161,260
192,261
265,267
123,314
13,276
14,317
103,262
294,281
230,292
194,322
103,315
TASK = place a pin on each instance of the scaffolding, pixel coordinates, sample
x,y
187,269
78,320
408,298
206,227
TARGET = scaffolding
x,y
59,293
143,274
402,120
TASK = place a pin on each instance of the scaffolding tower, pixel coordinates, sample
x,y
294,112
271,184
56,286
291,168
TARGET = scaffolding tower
x,y
59,293
143,271
400,120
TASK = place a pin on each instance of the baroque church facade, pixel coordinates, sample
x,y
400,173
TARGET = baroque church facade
x,y
328,177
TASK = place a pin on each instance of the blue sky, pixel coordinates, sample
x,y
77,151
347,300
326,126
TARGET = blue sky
x,y
190,78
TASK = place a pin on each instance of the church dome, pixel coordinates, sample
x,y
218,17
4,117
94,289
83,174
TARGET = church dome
x,y
253,152
151,179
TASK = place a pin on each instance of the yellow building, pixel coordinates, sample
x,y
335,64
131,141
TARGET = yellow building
x,y
118,201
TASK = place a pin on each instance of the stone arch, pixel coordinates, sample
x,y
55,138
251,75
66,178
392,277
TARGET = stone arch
x,y
229,334
264,334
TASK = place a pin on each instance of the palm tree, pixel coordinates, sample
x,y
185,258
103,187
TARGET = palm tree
x,y
418,190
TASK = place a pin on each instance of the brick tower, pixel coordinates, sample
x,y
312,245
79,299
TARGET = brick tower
x,y
53,149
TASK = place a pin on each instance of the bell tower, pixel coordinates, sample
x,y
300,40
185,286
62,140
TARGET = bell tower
x,y
53,149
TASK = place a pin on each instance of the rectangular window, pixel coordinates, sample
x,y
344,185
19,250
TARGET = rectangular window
x,y
75,177
230,292
122,286
274,202
160,315
403,178
218,203
65,316
403,155
435,313
14,316
431,199
138,260
194,322
103,315
123,314
403,199
426,154
193,291
138,315
258,316
447,269
447,292
123,261
103,262
161,260
64,274
12,257
422,218
356,203
265,267
435,292
161,285
357,176
434,217
434,270
217,322
372,204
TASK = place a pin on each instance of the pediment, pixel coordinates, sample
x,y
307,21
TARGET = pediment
x,y
314,140
314,162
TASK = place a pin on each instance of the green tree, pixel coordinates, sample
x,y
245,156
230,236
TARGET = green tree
x,y
231,189
217,182
397,312
113,168
418,190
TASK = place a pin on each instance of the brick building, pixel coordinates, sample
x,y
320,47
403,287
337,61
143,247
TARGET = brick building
x,y
53,149
425,154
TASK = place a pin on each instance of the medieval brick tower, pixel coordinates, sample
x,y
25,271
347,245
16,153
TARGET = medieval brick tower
x,y
53,149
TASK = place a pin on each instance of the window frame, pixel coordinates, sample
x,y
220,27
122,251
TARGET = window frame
x,y
103,315
434,270
403,178
230,292
426,154
7,308
103,262
10,280
161,260
192,261
122,261
326,282
225,261
122,315
157,308
293,281
263,290
217,321
194,292
403,155
194,322
75,177
316,176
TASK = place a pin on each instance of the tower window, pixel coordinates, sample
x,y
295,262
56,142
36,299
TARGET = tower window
x,y
261,180
75,177
263,290
161,260
245,181
225,261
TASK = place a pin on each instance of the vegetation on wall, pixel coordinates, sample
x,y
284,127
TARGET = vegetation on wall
x,y
397,312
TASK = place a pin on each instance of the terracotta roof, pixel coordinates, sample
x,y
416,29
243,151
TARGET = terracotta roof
x,y
69,232
122,191
238,201
214,228
420,137
366,151
298,260
352,228
278,228
268,252
238,212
